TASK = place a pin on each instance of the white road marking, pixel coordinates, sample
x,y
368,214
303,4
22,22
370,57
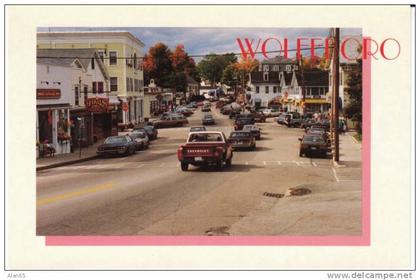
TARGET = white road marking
x,y
264,162
335,175
279,162
246,163
162,164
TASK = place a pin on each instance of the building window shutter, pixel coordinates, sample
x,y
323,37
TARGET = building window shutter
x,y
100,87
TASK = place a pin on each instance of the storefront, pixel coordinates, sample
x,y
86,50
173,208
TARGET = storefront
x,y
53,127
102,121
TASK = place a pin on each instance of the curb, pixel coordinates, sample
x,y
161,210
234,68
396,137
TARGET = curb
x,y
70,162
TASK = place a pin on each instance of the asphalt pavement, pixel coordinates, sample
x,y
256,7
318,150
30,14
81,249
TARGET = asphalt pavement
x,y
148,194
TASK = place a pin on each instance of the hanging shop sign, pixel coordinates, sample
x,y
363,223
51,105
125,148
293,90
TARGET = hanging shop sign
x,y
97,105
48,93
125,106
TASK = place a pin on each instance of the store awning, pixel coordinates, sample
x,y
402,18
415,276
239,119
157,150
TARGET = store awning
x,y
113,100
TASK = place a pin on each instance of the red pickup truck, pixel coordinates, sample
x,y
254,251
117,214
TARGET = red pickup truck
x,y
205,148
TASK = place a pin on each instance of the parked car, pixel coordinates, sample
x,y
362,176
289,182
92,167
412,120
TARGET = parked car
x,y
117,145
233,114
141,139
197,128
293,120
242,139
255,131
151,131
281,119
170,121
206,108
208,120
259,117
205,148
312,144
240,122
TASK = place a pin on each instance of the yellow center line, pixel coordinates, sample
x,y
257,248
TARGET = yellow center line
x,y
48,200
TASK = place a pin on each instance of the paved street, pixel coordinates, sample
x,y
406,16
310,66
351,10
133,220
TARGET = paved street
x,y
148,194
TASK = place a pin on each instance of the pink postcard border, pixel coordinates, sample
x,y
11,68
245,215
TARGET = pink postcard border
x,y
362,240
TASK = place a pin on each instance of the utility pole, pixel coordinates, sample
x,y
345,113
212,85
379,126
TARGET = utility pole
x,y
336,89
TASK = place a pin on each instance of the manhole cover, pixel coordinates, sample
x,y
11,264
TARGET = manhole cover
x,y
217,231
298,191
276,195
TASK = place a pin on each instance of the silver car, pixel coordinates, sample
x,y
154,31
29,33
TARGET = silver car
x,y
141,139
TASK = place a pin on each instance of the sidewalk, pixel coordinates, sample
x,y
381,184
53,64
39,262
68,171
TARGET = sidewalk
x,y
88,153
350,150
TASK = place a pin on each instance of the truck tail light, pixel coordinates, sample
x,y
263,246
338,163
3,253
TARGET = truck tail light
x,y
179,153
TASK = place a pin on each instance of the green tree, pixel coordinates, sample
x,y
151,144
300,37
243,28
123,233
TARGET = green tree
x,y
211,67
354,109
229,74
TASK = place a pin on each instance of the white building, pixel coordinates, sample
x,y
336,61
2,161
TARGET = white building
x,y
264,82
67,79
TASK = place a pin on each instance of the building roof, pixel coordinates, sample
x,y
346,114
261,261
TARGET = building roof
x,y
87,34
190,80
278,60
288,77
257,77
313,77
65,57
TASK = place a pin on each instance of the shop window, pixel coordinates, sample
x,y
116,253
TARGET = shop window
x,y
113,58
114,83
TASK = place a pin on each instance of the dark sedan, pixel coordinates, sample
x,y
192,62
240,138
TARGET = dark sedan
x,y
240,122
208,120
255,131
312,144
117,145
151,131
242,139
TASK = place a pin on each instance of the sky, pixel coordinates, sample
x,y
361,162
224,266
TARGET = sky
x,y
201,41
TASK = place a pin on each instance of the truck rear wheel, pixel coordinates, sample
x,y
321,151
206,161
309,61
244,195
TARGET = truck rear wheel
x,y
184,166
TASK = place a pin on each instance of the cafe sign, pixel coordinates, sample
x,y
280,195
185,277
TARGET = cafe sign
x,y
97,105
48,93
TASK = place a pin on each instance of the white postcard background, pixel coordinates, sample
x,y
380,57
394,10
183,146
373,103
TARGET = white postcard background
x,y
391,193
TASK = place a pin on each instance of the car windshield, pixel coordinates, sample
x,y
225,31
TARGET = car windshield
x,y
139,130
208,117
116,140
205,137
197,129
313,139
240,134
148,128
138,135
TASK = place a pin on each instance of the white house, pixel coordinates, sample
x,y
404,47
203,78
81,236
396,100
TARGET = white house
x,y
72,97
264,82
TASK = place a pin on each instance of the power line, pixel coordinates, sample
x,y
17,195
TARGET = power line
x,y
196,55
